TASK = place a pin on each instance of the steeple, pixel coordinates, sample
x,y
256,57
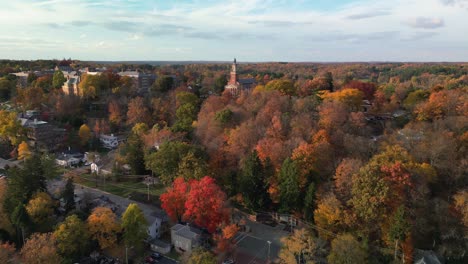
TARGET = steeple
x,y
233,79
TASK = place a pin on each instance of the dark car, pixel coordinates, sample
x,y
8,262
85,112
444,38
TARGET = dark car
x,y
156,255
150,260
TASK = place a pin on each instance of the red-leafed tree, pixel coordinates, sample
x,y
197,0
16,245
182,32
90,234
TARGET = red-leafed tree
x,y
367,88
173,201
205,204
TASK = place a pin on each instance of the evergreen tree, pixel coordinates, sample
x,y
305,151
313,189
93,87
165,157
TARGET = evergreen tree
x,y
68,195
253,182
20,219
309,202
289,186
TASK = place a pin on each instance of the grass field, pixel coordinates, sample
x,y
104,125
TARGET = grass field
x,y
137,191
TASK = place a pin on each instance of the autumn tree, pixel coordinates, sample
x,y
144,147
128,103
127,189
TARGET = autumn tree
x,y
5,222
367,88
309,202
345,249
40,249
285,87
72,237
301,247
41,210
205,204
173,200
329,214
224,240
138,112
7,253
10,128
350,97
134,226
23,151
85,134
344,177
163,84
461,204
253,183
115,112
201,256
103,227
192,167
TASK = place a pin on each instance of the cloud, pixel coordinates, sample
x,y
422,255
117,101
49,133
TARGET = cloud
x,y
125,26
425,22
369,14
277,23
203,35
454,2
79,23
419,36
166,29
335,37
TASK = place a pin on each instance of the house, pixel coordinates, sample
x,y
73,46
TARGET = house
x,y
109,141
159,225
68,159
426,257
236,85
42,134
22,79
184,237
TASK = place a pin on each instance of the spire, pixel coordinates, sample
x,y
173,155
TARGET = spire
x,y
234,60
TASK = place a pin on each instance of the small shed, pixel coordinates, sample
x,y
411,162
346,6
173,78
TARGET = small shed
x,y
185,238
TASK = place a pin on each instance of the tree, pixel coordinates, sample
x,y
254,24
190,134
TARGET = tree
x,y
5,222
72,237
85,134
253,183
115,112
300,247
201,256
163,84
344,177
186,113
399,226
165,161
134,226
309,202
289,186
6,89
192,167
20,219
461,204
41,209
346,250
138,112
173,200
350,97
68,195
58,79
285,87
205,204
40,249
7,253
329,81
103,227
11,128
23,151
329,214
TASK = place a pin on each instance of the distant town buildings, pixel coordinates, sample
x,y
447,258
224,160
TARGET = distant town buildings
x,y
236,85
42,134
142,81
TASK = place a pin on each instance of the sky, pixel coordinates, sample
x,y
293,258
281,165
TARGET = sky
x,y
250,30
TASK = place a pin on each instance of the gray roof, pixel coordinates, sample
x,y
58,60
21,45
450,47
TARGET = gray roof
x,y
426,257
247,81
186,231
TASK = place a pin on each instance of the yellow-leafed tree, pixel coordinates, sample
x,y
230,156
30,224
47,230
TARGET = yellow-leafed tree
x,y
23,151
103,227
85,134
40,208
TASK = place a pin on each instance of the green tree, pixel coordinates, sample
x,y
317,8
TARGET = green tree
x,y
134,226
399,226
201,256
289,189
134,155
6,89
192,167
329,81
165,161
219,84
68,195
72,237
163,84
186,113
20,219
224,116
309,202
346,250
253,182
285,87
58,79
24,181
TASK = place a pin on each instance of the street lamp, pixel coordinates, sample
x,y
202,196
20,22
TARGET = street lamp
x,y
269,246
126,253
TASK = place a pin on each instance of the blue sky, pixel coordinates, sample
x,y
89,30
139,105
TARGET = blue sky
x,y
251,30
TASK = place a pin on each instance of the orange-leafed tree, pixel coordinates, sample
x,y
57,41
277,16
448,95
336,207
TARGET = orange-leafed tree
x,y
103,227
115,112
224,239
173,201
138,112
205,204
7,253
40,248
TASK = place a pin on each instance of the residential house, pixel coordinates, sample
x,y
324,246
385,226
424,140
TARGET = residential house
x,y
70,87
69,158
236,85
43,135
109,141
185,238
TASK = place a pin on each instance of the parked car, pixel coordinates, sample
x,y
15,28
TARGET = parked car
x,y
156,255
228,261
150,260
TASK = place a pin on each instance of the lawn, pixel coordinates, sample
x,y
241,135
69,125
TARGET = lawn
x,y
137,191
